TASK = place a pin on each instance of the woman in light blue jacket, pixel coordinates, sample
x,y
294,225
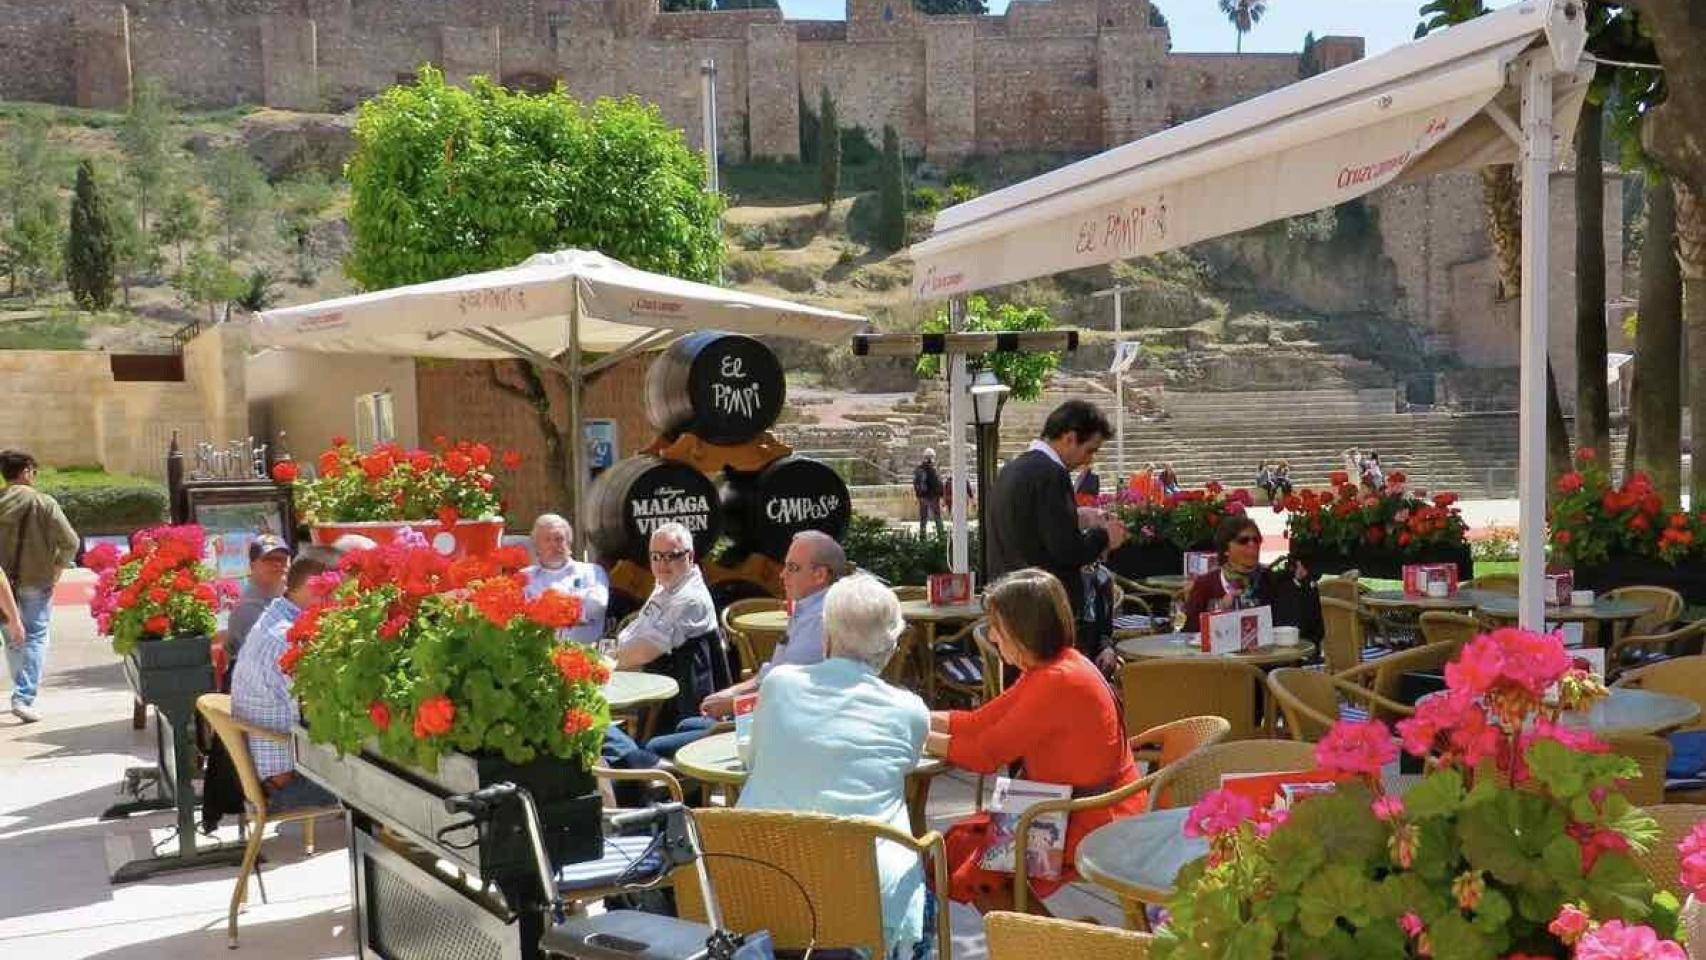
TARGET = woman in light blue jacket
x,y
834,738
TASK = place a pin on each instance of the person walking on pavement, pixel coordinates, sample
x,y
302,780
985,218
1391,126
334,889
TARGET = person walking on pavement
x,y
37,543
927,487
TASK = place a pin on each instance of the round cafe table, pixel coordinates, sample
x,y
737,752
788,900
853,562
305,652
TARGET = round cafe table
x,y
761,621
1603,611
714,760
629,689
1465,601
1187,646
1630,711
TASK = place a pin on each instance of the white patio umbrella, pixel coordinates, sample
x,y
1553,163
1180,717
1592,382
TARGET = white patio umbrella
x,y
553,309
1506,87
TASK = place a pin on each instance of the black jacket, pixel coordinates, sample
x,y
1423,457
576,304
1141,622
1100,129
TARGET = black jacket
x,y
927,482
1033,522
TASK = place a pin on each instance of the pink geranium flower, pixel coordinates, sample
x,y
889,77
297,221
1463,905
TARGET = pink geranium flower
x,y
1478,668
1412,924
1359,748
1570,924
1693,851
1532,661
1616,940
1388,808
1218,812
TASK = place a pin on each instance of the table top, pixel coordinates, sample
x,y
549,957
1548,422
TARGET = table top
x,y
1140,856
1635,711
1505,607
1170,582
1169,646
1467,599
770,621
714,759
632,688
925,611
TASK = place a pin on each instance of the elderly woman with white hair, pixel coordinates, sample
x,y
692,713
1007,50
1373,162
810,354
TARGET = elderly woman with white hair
x,y
833,737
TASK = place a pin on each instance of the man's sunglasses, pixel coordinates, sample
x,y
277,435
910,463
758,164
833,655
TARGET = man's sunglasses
x,y
1247,539
661,556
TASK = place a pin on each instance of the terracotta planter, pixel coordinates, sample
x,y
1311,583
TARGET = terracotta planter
x,y
467,538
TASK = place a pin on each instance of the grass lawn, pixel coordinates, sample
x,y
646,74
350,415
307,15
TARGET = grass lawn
x,y
1482,568
76,478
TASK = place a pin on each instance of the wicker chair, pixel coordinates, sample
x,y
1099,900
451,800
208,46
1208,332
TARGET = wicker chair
x,y
1341,648
1505,583
1439,626
1309,701
755,857
1381,680
1345,588
1660,861
1684,677
756,647
1160,691
1666,603
1187,781
1633,650
1173,741
967,675
216,709
1652,753
903,594
1018,936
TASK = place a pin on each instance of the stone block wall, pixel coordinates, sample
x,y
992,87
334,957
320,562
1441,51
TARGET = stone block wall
x,y
103,57
467,52
1200,83
950,45
290,62
773,91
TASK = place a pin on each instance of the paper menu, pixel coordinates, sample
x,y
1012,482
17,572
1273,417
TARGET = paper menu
x,y
1199,562
1430,579
1046,848
746,707
1237,631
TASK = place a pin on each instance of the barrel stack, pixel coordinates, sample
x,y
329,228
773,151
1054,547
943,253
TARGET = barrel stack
x,y
715,467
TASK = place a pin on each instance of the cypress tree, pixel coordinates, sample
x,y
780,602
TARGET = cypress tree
x,y
828,149
89,252
891,193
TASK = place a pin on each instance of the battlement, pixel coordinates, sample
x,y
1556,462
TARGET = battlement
x,y
1054,75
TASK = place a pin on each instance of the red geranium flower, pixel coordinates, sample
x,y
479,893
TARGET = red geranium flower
x,y
158,624
511,459
448,516
339,440
1570,483
380,714
576,720
434,716
284,471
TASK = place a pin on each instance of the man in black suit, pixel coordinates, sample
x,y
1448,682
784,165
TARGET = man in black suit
x,y
1034,520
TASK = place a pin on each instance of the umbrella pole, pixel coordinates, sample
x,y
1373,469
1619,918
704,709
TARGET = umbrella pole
x,y
1536,232
577,445
959,552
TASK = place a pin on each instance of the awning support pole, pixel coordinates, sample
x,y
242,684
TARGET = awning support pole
x,y
959,551
657,338
1536,229
577,443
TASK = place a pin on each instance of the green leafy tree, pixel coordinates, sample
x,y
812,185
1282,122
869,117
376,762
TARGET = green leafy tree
x,y
1244,15
1307,65
34,244
828,149
180,221
446,181
209,280
891,193
133,251
1025,373
259,292
240,194
89,245
144,136
32,228
684,6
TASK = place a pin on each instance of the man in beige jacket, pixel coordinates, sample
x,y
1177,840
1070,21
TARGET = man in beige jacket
x,y
37,543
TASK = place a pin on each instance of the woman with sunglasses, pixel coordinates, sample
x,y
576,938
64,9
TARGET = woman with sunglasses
x,y
1242,581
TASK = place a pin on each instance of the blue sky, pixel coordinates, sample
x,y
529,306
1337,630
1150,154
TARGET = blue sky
x,y
1198,25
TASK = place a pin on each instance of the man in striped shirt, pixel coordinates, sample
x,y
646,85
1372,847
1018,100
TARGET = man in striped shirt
x,y
260,691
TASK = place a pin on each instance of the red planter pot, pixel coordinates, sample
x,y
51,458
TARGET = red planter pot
x,y
468,538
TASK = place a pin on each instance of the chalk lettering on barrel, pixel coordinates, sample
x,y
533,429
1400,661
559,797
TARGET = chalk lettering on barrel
x,y
723,388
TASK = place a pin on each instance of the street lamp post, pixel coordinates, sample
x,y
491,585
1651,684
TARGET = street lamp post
x,y
988,396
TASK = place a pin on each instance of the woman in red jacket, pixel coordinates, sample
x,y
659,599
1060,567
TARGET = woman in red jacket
x,y
1058,723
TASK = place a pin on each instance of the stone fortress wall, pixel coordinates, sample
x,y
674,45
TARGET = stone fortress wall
x,y
1054,75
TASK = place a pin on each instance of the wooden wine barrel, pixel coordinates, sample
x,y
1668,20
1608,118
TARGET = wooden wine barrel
x,y
720,387
764,510
637,495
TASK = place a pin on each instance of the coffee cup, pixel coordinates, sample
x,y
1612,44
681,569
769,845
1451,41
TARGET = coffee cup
x,y
1581,598
1285,636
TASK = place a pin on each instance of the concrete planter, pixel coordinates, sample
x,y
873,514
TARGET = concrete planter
x,y
466,538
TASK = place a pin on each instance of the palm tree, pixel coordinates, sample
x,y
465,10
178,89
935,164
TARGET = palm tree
x,y
1244,14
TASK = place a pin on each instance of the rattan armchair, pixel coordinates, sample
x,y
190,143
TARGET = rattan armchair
x,y
1155,692
1683,677
1381,679
1631,649
1505,583
1666,603
216,709
1022,830
1309,701
1660,861
1184,783
1653,754
1438,626
1346,634
755,858
757,646
967,676
904,594
1018,936
1347,587
1173,741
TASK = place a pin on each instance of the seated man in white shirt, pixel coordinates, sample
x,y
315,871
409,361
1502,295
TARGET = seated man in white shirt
x,y
556,570
674,634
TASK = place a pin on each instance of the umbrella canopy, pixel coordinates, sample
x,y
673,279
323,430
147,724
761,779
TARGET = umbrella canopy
x,y
526,310
1442,103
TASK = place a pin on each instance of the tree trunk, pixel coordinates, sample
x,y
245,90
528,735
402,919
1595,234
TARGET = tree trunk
x,y
1593,408
1557,429
532,388
1691,261
1658,342
1672,131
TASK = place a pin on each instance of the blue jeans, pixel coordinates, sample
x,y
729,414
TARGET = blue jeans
x,y
687,731
35,607
298,793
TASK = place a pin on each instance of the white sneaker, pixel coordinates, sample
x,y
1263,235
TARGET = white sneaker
x,y
25,712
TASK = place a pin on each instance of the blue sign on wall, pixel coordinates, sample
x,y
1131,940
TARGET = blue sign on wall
x,y
600,440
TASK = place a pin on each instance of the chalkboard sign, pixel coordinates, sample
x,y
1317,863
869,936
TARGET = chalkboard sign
x,y
721,387
640,494
764,510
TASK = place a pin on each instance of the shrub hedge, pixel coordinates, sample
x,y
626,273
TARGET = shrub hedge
x,y
97,502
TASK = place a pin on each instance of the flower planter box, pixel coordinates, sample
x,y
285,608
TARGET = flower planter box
x,y
171,672
411,800
1382,564
1688,579
466,538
